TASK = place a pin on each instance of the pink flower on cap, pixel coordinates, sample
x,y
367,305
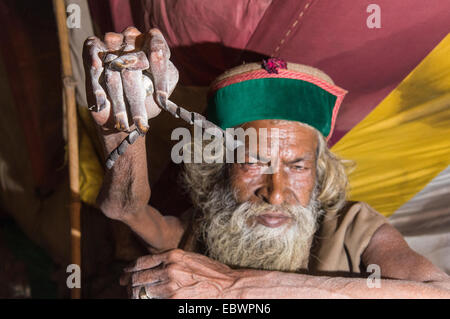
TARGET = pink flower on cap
x,y
273,64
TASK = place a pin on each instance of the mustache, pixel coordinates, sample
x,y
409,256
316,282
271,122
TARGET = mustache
x,y
258,209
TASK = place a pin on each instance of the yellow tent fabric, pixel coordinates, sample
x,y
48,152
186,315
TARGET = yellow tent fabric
x,y
405,141
91,171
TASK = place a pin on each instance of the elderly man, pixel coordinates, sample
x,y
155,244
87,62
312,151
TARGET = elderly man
x,y
289,233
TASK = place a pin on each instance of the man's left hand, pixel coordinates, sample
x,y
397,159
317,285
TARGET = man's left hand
x,y
178,274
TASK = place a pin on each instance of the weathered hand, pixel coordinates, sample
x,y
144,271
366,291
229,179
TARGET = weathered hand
x,y
115,78
178,274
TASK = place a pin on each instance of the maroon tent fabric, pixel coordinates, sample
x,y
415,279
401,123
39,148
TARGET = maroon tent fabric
x,y
333,36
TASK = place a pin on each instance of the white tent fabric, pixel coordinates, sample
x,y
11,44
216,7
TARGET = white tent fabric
x,y
77,37
425,221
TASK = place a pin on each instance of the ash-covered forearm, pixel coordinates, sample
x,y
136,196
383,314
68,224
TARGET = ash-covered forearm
x,y
255,284
125,194
125,188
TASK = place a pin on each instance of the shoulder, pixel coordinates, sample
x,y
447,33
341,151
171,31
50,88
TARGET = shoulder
x,y
360,222
356,219
359,208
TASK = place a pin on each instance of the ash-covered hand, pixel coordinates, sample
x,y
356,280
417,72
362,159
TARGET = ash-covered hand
x,y
178,274
125,73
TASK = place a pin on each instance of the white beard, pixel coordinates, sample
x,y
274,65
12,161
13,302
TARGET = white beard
x,y
231,240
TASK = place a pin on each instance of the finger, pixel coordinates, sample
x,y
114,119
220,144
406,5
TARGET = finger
x,y
155,41
125,279
159,291
113,41
132,85
136,293
147,262
150,105
115,91
148,276
130,61
135,93
159,55
172,77
93,48
130,34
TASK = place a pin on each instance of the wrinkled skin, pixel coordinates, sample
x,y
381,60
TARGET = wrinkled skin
x,y
178,274
294,168
295,171
122,57
126,100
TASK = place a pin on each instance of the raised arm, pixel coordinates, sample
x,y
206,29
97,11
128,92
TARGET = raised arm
x,y
121,98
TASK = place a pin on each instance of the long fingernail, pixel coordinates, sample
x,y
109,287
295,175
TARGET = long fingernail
x,y
121,122
162,98
141,124
101,99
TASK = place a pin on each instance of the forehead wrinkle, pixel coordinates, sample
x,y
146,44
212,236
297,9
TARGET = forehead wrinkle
x,y
304,158
286,154
295,139
297,147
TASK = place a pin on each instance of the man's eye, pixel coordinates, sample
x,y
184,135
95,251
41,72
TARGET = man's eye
x,y
299,167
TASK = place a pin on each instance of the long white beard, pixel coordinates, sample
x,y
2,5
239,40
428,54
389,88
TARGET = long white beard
x,y
231,240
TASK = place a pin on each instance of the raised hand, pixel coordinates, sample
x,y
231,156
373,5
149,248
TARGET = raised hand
x,y
125,73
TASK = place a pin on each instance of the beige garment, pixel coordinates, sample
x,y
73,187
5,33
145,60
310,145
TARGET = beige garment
x,y
343,237
338,244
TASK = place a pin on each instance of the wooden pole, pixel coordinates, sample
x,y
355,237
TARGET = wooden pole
x,y
72,137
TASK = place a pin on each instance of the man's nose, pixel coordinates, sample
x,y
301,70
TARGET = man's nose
x,y
274,189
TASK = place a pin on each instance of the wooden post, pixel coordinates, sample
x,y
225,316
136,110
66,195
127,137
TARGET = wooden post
x,y
72,137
